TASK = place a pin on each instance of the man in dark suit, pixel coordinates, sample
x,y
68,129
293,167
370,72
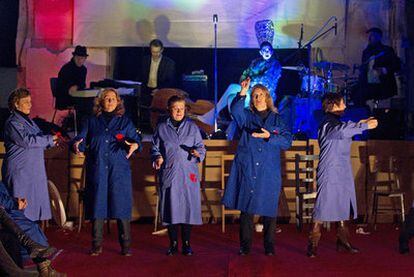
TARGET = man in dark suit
x,y
158,71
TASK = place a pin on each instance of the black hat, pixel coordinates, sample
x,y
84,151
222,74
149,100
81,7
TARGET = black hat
x,y
375,30
80,51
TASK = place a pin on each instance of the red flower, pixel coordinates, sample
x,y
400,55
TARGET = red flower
x,y
119,137
275,132
193,177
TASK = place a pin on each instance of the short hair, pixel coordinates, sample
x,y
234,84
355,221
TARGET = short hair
x,y
174,99
156,43
266,43
375,30
269,99
15,96
331,99
98,102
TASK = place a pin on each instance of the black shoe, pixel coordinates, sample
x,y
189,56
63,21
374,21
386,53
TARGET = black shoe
x,y
244,251
270,252
186,249
96,250
126,251
173,249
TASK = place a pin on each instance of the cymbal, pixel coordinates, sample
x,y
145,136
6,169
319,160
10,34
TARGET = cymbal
x,y
295,68
331,66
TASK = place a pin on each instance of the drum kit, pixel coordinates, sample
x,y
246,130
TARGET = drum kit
x,y
327,77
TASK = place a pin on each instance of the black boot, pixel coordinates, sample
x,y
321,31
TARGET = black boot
x,y
173,248
186,249
34,249
342,242
269,230
246,233
407,232
9,268
314,237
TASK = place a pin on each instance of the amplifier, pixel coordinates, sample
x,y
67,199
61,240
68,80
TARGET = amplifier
x,y
196,86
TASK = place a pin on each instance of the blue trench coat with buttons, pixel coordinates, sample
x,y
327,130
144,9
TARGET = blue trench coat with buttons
x,y
179,179
108,192
255,178
24,170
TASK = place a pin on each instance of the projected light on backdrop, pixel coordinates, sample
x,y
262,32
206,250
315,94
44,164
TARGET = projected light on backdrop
x,y
186,23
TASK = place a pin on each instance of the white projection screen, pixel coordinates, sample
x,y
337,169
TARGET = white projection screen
x,y
189,23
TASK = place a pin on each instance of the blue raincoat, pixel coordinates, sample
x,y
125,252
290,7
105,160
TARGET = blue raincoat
x,y
179,179
336,189
23,169
255,179
31,228
108,192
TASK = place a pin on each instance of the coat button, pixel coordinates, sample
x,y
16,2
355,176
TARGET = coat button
x,y
257,163
107,129
106,141
251,191
106,154
260,149
106,167
254,177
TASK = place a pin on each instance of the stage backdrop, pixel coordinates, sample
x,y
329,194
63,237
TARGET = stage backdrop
x,y
189,23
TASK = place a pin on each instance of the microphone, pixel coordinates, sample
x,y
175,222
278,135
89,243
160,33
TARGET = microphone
x,y
336,27
215,18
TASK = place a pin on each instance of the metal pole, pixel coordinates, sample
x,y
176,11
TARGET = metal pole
x,y
215,21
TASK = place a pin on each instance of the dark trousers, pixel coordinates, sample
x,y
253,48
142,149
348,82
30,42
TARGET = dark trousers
x,y
247,228
124,232
185,232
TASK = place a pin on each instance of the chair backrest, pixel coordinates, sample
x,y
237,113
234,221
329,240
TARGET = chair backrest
x,y
226,161
53,86
385,172
305,173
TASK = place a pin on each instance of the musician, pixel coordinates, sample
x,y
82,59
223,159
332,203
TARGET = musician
x,y
379,63
158,70
71,77
254,184
335,199
265,70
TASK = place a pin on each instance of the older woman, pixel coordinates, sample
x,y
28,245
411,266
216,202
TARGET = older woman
x,y
335,199
23,168
255,182
177,148
109,138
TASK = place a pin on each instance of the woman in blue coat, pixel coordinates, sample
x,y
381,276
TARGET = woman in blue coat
x,y
177,148
23,169
255,180
109,138
335,200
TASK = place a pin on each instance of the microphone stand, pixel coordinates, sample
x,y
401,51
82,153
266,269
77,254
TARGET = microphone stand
x,y
215,21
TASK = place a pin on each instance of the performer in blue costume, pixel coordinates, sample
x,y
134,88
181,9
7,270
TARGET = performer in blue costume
x,y
335,200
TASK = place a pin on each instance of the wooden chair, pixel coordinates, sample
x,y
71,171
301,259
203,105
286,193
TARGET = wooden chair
x,y
389,188
225,173
305,180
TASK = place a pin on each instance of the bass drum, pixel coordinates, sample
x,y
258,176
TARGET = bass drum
x,y
313,88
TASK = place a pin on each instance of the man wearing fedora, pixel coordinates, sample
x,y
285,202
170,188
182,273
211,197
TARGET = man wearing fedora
x,y
72,77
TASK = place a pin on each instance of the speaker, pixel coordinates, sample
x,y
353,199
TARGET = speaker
x,y
196,86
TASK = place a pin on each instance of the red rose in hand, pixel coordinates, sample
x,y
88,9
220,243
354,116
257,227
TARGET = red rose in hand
x,y
275,132
119,137
193,177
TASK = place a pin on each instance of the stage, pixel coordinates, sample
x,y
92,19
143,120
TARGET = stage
x,y
216,254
